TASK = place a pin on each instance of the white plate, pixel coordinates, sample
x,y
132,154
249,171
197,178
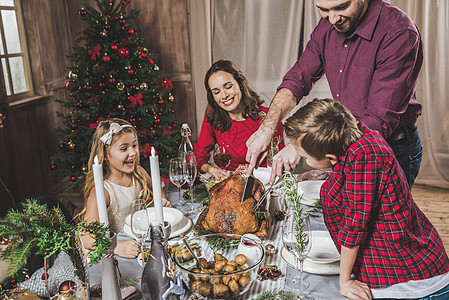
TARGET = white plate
x,y
184,226
323,250
263,174
310,266
171,215
311,191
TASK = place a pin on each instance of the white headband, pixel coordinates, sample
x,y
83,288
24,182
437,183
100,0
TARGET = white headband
x,y
113,128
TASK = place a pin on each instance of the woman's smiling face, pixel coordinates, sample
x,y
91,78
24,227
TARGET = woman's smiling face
x,y
226,92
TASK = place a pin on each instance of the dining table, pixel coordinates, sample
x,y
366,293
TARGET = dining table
x,y
323,285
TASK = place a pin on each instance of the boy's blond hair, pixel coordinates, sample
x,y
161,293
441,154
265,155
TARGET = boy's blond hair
x,y
98,148
323,126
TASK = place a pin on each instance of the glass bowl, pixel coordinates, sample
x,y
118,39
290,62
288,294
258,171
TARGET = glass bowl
x,y
227,272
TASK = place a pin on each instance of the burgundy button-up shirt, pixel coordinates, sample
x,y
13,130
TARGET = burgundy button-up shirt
x,y
366,201
373,73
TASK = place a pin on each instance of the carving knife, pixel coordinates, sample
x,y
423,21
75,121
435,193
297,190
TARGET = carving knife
x,y
248,191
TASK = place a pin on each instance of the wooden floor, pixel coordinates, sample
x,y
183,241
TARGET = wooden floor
x,y
433,201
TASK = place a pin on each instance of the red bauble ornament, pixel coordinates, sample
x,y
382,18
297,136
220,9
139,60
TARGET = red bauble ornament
x,y
123,52
72,179
106,59
82,12
74,126
67,286
70,85
114,48
157,121
161,101
111,80
152,131
107,26
131,31
123,27
101,84
52,166
130,72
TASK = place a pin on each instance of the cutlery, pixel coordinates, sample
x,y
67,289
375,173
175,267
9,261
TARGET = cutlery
x,y
186,243
265,195
248,191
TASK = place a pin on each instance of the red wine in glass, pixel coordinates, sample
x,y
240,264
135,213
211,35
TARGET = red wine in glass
x,y
222,160
222,157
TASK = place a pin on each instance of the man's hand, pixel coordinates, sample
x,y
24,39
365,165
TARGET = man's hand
x,y
285,160
354,289
257,146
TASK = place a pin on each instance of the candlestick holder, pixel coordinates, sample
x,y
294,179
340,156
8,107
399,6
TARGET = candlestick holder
x,y
109,277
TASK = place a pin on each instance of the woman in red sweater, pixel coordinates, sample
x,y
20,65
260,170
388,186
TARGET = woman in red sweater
x,y
234,112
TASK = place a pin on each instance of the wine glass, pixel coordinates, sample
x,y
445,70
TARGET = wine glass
x,y
221,155
140,222
297,238
177,177
190,172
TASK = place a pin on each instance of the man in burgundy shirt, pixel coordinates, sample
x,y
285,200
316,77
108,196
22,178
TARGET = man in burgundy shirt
x,y
371,53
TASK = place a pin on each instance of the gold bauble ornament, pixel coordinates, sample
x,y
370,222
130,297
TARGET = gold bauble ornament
x,y
65,296
144,50
71,144
156,68
120,86
120,106
144,86
96,68
170,97
84,168
104,33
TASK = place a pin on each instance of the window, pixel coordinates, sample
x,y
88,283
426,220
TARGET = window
x,y
13,52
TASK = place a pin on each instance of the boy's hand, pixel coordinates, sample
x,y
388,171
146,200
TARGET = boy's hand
x,y
127,249
354,289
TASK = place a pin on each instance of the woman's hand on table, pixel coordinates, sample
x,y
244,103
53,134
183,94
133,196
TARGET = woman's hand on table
x,y
354,289
127,249
216,172
166,203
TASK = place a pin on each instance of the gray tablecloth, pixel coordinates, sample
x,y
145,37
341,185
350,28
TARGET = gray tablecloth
x,y
322,287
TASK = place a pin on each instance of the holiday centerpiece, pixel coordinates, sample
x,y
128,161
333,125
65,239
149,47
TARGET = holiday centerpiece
x,y
38,230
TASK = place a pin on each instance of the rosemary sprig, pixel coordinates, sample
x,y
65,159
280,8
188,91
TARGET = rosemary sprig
x,y
220,243
293,194
275,295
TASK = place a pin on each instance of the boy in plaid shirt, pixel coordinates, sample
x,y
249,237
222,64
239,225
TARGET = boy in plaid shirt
x,y
385,240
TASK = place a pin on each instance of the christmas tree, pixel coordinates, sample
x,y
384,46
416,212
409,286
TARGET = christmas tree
x,y
113,74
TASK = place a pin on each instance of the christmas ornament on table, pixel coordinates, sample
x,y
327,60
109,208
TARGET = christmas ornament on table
x,y
113,74
38,230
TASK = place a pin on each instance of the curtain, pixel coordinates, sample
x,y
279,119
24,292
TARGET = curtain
x,y
432,19
260,37
201,25
264,38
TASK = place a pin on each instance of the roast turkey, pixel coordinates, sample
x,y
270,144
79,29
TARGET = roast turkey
x,y
225,213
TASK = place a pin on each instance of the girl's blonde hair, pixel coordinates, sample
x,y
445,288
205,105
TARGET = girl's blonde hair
x,y
98,148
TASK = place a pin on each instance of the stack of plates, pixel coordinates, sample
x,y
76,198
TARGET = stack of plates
x,y
323,257
311,191
179,222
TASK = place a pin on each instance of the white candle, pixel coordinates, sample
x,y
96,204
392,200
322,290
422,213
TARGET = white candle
x,y
99,190
156,181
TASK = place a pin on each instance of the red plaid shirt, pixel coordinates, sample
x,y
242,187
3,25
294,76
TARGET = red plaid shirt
x,y
367,202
